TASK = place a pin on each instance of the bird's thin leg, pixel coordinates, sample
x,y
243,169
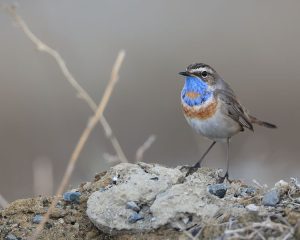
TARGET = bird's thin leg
x,y
227,161
221,179
198,164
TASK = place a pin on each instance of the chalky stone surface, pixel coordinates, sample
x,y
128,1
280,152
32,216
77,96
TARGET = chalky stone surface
x,y
164,196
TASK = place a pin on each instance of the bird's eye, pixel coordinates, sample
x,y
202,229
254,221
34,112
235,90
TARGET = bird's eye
x,y
204,74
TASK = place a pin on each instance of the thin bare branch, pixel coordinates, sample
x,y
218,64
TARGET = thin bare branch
x,y
142,149
41,46
3,202
82,140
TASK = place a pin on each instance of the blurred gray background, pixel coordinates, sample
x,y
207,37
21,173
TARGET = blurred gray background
x,y
254,45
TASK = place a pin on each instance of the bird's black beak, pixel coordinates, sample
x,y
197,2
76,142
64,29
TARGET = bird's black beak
x,y
186,74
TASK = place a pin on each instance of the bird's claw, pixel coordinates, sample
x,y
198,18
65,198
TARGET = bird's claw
x,y
222,179
190,170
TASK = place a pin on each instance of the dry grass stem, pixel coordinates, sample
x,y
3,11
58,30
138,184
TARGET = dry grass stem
x,y
249,232
3,202
112,159
186,233
142,149
259,185
82,140
41,46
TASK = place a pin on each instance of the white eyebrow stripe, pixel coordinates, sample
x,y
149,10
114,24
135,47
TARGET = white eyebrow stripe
x,y
200,69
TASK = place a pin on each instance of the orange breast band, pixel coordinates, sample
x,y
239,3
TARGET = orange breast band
x,y
202,113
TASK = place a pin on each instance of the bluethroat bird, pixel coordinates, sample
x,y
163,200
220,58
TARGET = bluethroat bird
x,y
211,107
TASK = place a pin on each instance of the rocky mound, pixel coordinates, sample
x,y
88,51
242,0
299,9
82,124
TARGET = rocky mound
x,y
150,201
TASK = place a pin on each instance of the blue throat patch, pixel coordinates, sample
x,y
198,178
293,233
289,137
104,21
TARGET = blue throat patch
x,y
196,85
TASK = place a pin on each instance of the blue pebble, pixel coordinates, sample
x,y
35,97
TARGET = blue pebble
x,y
218,190
133,206
271,198
10,237
135,217
37,219
72,197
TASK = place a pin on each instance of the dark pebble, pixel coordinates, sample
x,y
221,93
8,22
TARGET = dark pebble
x,y
195,230
218,190
37,219
133,206
72,197
114,180
154,178
48,225
10,237
135,217
271,198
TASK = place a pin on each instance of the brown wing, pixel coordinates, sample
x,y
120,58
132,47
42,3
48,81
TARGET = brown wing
x,y
234,108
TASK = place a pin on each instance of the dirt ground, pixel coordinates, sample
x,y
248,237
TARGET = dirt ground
x,y
254,216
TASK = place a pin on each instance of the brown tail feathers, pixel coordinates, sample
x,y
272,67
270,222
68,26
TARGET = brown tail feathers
x,y
262,123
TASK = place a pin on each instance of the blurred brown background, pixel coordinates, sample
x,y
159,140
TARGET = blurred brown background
x,y
254,45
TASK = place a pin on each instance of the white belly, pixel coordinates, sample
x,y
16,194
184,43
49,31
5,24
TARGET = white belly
x,y
219,127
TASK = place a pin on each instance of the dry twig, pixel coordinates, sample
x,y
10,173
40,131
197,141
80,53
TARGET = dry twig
x,y
142,149
259,185
85,135
185,232
41,46
250,231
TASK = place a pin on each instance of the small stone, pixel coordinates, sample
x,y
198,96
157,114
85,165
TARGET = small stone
x,y
135,217
195,230
271,198
185,220
72,197
245,191
102,189
61,220
48,225
37,219
252,208
87,186
114,179
281,184
282,187
10,237
76,226
57,213
133,206
218,190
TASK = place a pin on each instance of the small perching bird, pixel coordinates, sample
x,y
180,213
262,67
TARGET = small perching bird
x,y
211,108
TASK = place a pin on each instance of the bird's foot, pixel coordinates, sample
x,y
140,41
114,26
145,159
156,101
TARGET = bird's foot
x,y
190,169
222,179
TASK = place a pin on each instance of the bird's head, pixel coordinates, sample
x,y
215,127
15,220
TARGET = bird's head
x,y
201,72
200,80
